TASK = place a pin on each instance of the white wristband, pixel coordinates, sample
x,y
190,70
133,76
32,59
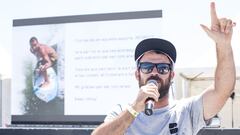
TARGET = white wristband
x,y
132,111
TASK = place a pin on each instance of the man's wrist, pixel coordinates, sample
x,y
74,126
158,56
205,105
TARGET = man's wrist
x,y
133,112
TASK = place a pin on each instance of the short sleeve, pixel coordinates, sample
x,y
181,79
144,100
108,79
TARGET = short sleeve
x,y
196,112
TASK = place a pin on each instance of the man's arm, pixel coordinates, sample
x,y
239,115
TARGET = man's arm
x,y
117,126
46,59
215,97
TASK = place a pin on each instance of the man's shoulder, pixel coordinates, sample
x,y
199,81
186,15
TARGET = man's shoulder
x,y
45,48
187,102
189,99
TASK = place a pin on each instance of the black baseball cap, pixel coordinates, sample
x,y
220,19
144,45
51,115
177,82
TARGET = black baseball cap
x,y
156,44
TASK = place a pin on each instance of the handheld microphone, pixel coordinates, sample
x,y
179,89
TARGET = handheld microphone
x,y
150,101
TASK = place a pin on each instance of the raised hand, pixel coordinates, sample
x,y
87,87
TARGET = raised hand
x,y
221,32
221,29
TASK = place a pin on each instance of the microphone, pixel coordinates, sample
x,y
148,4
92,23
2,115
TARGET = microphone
x,y
150,101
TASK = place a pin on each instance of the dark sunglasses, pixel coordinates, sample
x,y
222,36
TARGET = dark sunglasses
x,y
147,67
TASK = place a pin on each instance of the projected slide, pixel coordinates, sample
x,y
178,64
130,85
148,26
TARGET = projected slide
x,y
77,68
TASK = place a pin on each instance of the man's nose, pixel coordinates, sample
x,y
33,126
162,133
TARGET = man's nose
x,y
154,71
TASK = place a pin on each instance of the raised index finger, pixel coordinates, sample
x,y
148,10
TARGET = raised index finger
x,y
214,18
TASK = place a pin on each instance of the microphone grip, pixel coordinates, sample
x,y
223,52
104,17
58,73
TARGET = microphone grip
x,y
149,106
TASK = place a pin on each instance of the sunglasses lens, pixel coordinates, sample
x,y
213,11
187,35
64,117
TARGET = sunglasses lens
x,y
146,67
163,68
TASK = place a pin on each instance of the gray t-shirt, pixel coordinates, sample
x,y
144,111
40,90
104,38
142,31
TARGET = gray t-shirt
x,y
183,117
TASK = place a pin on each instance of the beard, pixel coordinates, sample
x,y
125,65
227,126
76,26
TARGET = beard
x,y
164,87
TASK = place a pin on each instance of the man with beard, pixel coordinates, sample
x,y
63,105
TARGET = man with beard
x,y
155,60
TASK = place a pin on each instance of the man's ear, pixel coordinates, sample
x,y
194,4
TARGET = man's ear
x,y
172,75
137,75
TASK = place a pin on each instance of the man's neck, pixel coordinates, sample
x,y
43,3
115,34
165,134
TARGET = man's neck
x,y
161,102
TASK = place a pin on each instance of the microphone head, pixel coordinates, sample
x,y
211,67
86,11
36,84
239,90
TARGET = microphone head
x,y
152,81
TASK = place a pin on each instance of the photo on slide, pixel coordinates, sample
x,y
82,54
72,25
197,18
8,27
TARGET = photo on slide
x,y
39,69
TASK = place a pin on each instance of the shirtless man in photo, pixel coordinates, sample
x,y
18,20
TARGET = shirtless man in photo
x,y
46,57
